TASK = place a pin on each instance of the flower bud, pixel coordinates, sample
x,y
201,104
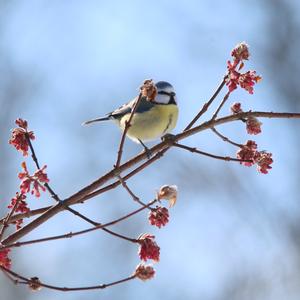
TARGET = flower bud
x,y
168,192
148,89
253,126
241,51
236,108
35,284
144,272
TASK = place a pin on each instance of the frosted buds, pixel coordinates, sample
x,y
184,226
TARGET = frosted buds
x,y
35,284
144,272
168,192
241,51
148,89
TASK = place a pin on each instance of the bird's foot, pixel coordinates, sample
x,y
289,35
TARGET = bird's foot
x,y
147,150
170,138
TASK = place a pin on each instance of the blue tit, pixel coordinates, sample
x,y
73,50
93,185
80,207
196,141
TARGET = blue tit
x,y
151,120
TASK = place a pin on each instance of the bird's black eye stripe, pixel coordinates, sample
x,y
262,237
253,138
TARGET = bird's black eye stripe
x,y
172,94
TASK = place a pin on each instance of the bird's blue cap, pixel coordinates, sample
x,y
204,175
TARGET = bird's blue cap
x,y
163,85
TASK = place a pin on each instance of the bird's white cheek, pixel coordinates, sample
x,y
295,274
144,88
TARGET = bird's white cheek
x,y
162,99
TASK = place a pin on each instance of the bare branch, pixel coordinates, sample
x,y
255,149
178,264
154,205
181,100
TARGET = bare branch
x,y
127,125
224,138
77,197
30,282
220,106
130,192
195,150
207,104
72,234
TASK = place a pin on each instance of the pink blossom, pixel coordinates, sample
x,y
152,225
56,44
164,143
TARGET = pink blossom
x,y
159,216
253,126
33,182
21,206
263,160
248,80
148,247
18,138
247,152
236,108
5,261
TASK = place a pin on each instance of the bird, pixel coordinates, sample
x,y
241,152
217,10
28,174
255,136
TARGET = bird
x,y
155,116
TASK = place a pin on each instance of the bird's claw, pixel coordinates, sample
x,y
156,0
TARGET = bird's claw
x,y
148,152
168,138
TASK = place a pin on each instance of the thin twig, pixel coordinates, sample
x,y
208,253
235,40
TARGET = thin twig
x,y
195,150
8,217
220,106
50,190
31,282
225,139
28,214
84,192
130,192
76,233
127,125
96,192
207,104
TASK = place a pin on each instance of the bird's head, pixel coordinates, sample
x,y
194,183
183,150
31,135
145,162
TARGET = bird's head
x,y
165,93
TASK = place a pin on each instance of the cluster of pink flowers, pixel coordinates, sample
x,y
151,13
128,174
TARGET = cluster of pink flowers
x,y
5,261
21,139
235,77
33,182
20,136
148,247
253,125
263,160
236,108
20,206
159,216
249,153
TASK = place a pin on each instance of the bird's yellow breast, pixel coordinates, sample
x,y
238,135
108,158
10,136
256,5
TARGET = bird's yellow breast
x,y
152,124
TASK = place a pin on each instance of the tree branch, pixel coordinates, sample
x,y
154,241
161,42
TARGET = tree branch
x,y
195,150
224,138
127,125
31,282
77,197
72,234
207,104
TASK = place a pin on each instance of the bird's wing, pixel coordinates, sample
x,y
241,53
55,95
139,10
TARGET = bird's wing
x,y
125,109
122,110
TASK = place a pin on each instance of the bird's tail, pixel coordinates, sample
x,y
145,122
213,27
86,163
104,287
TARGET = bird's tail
x,y
95,120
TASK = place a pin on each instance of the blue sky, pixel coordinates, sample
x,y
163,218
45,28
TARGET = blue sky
x,y
81,60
